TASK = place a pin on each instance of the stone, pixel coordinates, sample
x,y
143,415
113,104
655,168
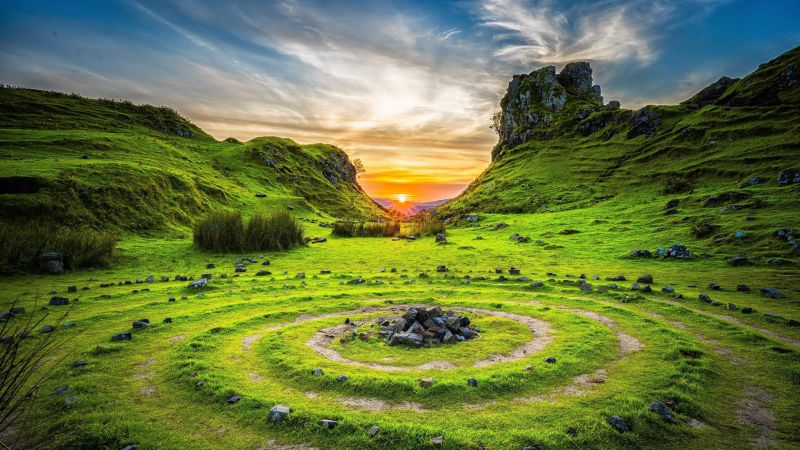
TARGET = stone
x,y
437,441
171,299
576,77
519,238
738,261
234,399
662,411
586,287
771,293
316,372
341,378
667,290
240,268
168,320
357,281
164,278
472,382
51,262
79,363
278,413
46,329
373,430
72,288
537,284
618,424
70,400
440,238
61,390
143,323
328,424
640,253
645,279
747,310
550,360
714,286
300,275
202,282
730,307
59,301
211,266
441,268
126,336
742,288
705,298
426,383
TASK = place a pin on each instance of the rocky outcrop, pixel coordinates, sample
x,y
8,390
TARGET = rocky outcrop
x,y
710,93
535,101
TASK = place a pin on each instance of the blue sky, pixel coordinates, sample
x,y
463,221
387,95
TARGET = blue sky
x,y
408,87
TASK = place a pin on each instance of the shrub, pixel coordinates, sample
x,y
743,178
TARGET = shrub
x,y
21,246
427,225
366,229
219,232
227,232
278,231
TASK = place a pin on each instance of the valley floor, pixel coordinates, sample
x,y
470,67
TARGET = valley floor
x,y
725,379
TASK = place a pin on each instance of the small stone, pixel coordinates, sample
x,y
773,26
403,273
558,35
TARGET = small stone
x,y
70,400
144,323
168,320
61,390
328,424
742,288
79,363
234,398
586,287
278,412
747,310
46,329
662,410
550,360
202,282
645,279
714,286
59,301
441,268
72,288
316,372
263,273
121,337
771,293
373,430
705,298
171,299
618,424
667,290
341,378
437,440
730,307
472,382
300,275
426,383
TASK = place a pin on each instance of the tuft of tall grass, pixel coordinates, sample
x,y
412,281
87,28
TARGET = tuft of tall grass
x,y
427,225
21,246
227,232
366,229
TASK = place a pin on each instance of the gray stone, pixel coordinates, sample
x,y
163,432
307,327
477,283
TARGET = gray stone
x,y
771,293
618,424
59,301
234,399
328,424
126,336
202,282
279,412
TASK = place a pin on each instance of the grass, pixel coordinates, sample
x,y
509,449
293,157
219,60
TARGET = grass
x,y
226,232
22,246
366,229
427,225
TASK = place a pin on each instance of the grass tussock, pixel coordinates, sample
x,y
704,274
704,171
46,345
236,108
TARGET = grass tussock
x,y
21,246
427,225
228,232
366,229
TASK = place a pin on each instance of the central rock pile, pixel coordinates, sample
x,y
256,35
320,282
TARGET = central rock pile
x,y
420,326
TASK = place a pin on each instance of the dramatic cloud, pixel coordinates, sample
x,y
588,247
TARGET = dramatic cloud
x,y
408,88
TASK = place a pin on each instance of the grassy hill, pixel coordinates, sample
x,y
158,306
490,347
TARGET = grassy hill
x,y
728,156
113,165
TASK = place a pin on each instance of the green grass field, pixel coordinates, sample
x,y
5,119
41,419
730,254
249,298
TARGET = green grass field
x,y
727,377
574,351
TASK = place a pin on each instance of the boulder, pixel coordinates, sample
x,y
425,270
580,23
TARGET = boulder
x,y
59,301
662,411
771,293
202,282
51,262
645,279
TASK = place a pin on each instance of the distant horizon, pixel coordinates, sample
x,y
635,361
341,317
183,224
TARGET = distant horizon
x,y
413,101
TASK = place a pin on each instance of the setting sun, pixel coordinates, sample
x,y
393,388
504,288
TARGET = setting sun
x,y
402,198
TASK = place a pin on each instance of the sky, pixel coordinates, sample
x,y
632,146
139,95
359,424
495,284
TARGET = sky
x,y
407,87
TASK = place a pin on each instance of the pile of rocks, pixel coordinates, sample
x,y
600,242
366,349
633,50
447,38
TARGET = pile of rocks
x,y
420,326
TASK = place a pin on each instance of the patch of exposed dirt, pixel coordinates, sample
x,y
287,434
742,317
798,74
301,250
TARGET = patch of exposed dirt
x,y
247,341
627,343
275,445
177,338
754,412
255,377
374,404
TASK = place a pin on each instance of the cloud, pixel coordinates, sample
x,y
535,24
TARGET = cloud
x,y
537,32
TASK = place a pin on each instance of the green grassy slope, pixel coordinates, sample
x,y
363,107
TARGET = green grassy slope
x,y
701,154
109,164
